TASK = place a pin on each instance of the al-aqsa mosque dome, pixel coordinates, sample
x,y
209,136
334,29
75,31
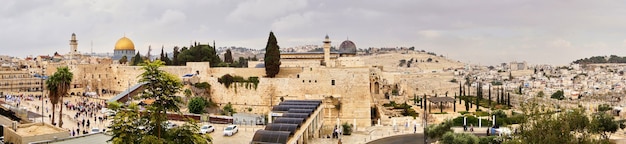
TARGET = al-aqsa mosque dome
x,y
347,47
124,47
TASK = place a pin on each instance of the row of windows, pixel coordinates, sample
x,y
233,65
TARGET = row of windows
x,y
332,81
22,83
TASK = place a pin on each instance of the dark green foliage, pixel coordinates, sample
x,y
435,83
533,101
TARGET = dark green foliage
x,y
604,107
459,138
202,85
196,105
228,110
347,128
123,60
129,126
558,95
175,58
544,126
471,120
604,124
436,131
227,80
242,62
489,140
272,57
137,59
406,108
197,53
228,56
601,59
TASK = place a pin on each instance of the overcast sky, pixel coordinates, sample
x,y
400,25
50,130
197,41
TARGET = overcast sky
x,y
478,32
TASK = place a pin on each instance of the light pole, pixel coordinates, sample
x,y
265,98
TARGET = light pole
x,y
43,75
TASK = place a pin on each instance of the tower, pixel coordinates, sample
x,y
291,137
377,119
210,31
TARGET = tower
x,y
327,51
73,44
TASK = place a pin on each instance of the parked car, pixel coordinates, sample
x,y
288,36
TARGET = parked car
x,y
95,130
230,130
170,125
207,128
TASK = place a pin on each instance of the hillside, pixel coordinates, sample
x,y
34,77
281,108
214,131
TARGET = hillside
x,y
419,62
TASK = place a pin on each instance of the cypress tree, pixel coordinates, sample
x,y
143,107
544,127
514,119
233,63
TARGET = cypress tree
x,y
508,99
497,96
228,56
175,58
272,56
162,58
489,95
137,59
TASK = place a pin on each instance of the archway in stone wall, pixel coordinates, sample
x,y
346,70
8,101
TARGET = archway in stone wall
x,y
376,88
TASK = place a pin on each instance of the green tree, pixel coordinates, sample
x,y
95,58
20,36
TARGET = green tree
x,y
123,60
137,59
228,109
459,138
175,57
58,86
604,107
228,56
436,131
150,126
187,92
346,128
125,127
604,124
196,105
198,53
541,125
558,95
162,87
272,56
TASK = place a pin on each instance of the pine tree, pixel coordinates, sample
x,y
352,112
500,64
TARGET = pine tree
x,y
272,56
228,56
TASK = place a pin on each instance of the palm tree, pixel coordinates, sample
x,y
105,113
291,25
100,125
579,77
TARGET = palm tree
x,y
58,85
51,84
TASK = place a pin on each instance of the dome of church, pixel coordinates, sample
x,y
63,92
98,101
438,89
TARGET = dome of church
x,y
124,44
347,47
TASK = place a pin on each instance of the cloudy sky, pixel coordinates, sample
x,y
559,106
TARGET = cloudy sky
x,y
479,32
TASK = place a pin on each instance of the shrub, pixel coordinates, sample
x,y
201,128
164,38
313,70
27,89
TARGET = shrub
x,y
228,109
347,128
463,112
459,138
196,105
202,85
458,121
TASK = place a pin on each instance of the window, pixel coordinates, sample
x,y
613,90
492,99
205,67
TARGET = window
x,y
297,76
333,82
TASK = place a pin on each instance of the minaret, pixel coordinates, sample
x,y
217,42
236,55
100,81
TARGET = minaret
x,y
73,44
327,51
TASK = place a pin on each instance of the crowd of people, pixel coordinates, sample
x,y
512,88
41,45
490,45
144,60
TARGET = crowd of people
x,y
87,113
84,111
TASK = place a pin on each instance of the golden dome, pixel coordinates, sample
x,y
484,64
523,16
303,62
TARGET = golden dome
x,y
124,44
